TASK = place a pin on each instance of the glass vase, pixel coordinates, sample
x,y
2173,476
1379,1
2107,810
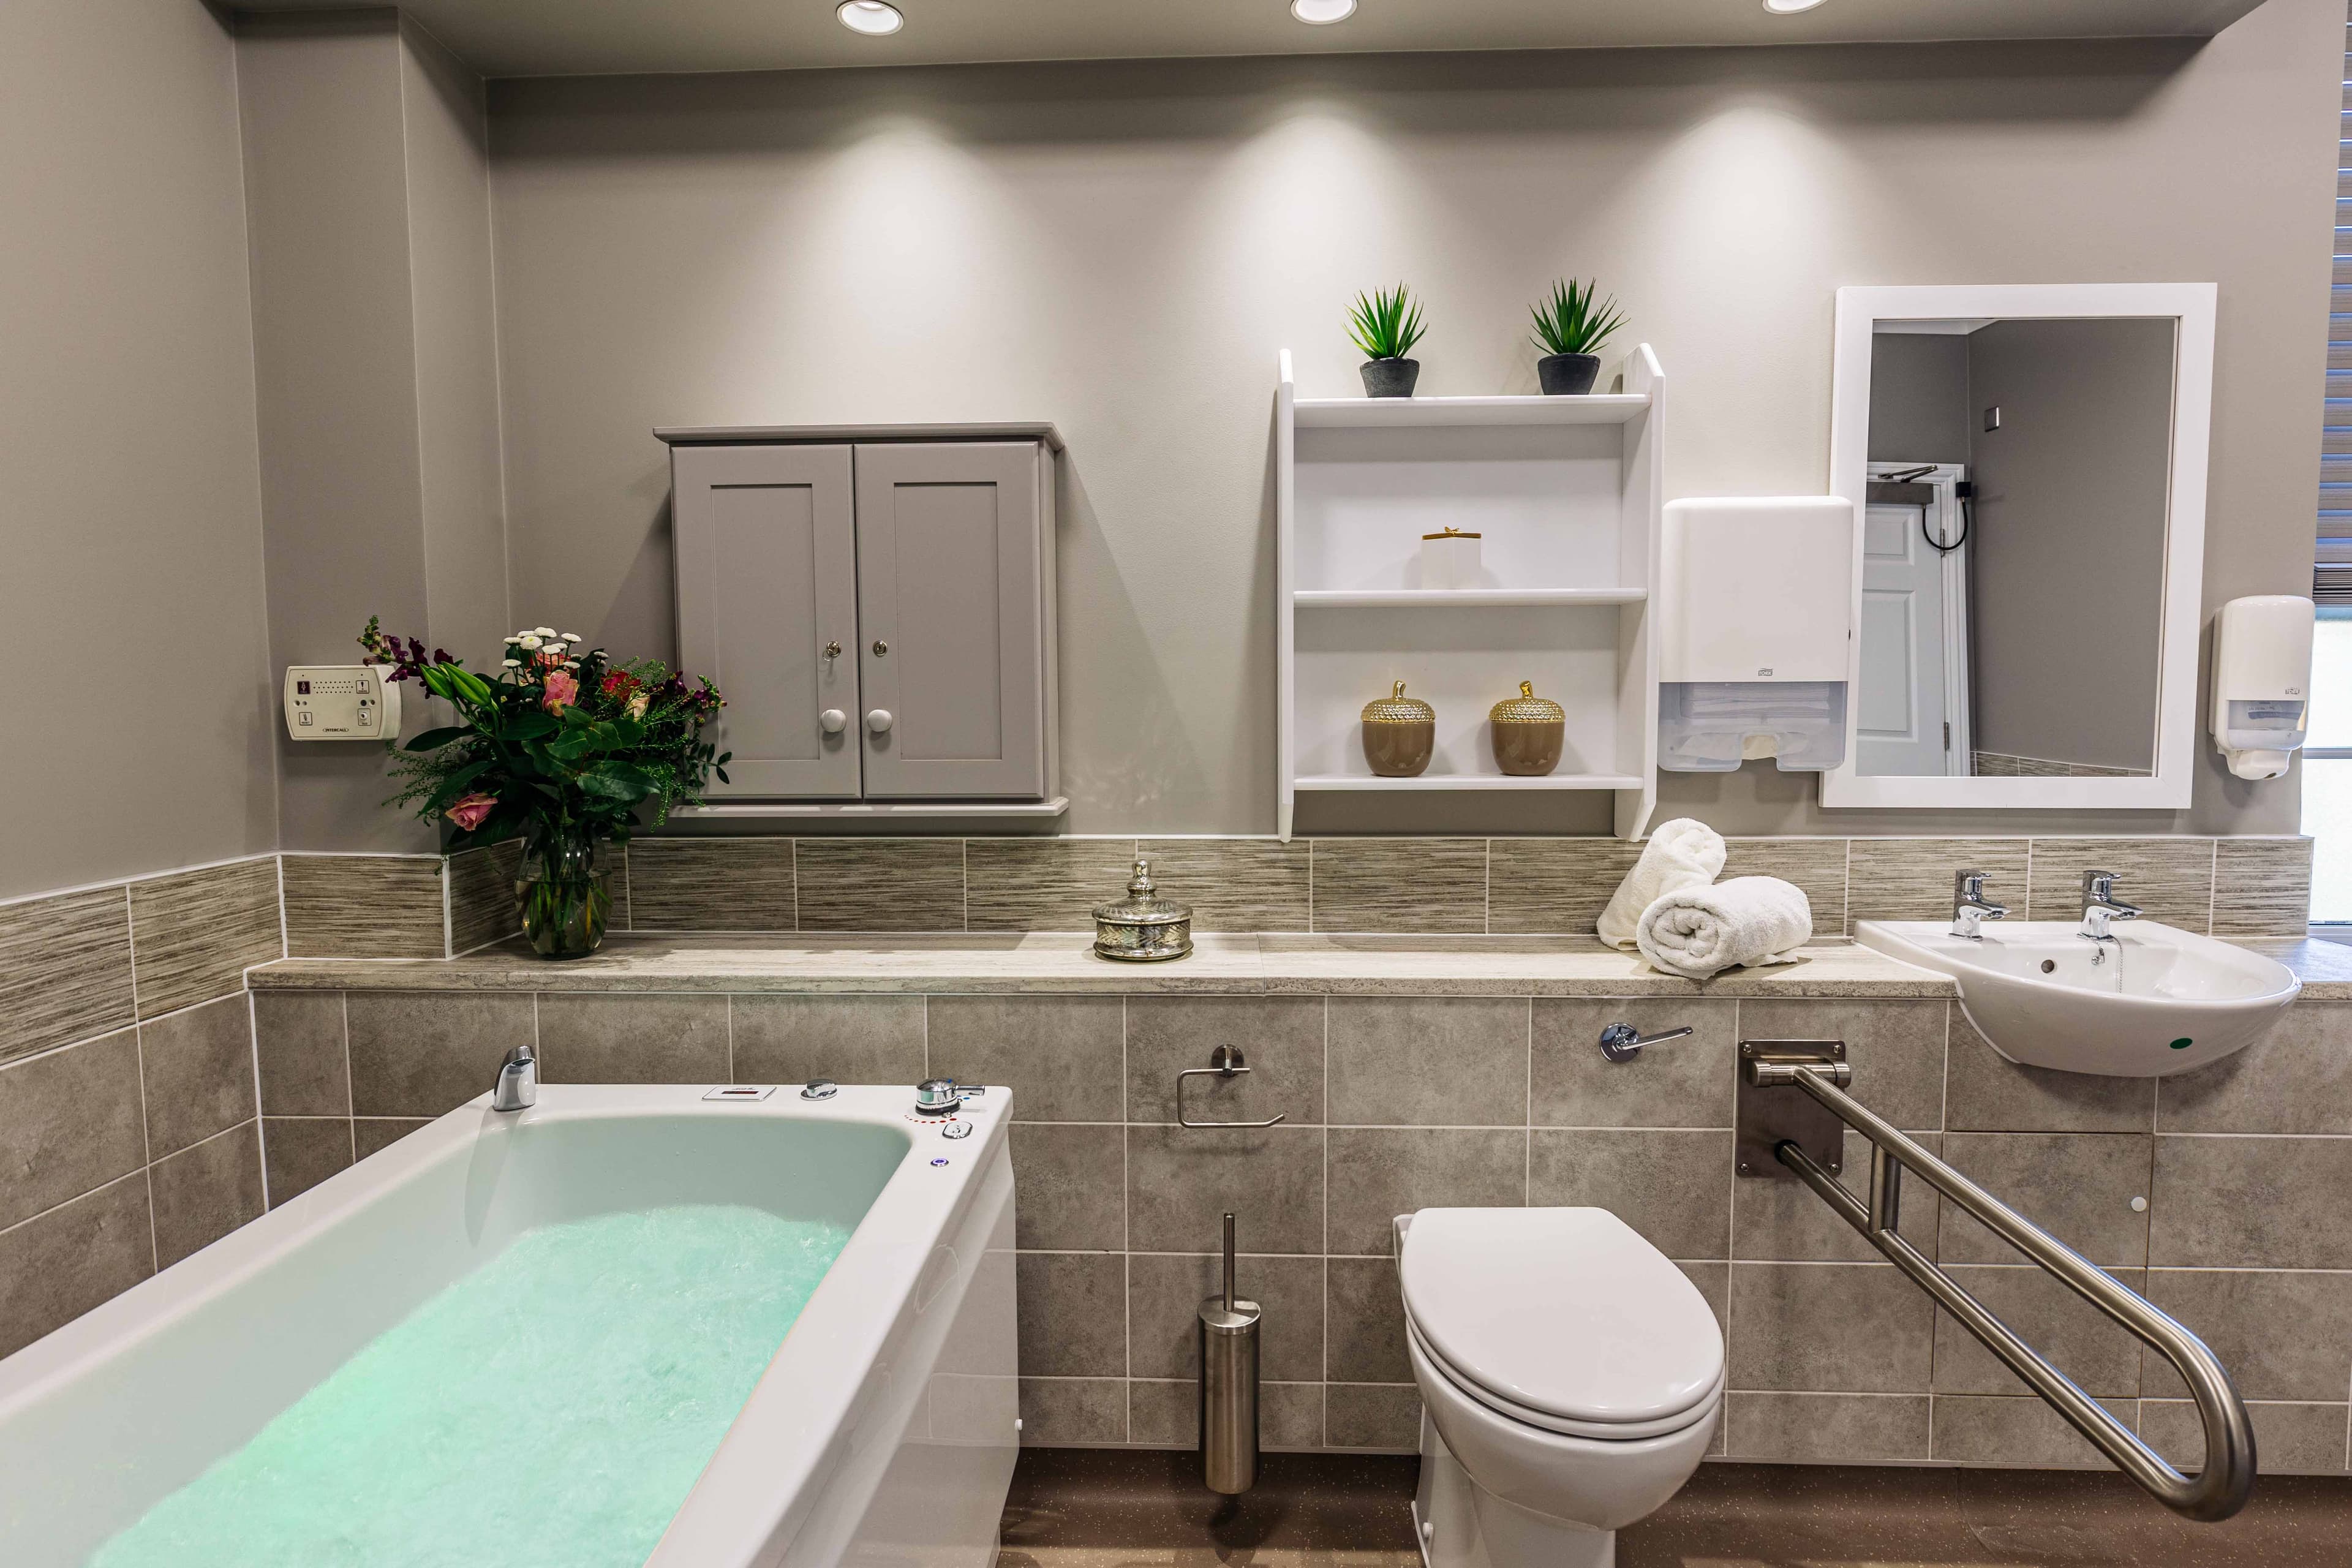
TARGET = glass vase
x,y
563,898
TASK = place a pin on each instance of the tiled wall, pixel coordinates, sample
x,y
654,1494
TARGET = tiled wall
x,y
2230,886
1399,1103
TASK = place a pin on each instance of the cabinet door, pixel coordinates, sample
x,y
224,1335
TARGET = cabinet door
x,y
951,619
767,581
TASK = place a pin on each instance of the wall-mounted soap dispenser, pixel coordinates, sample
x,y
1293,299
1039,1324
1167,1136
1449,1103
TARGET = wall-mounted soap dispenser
x,y
1754,603
2261,681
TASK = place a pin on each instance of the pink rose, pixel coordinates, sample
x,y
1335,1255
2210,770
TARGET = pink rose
x,y
468,811
562,690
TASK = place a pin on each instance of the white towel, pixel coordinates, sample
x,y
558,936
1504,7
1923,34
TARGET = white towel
x,y
1701,932
1681,854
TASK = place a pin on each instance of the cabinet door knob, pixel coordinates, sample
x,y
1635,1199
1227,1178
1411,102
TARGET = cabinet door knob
x,y
833,721
833,648
878,720
880,648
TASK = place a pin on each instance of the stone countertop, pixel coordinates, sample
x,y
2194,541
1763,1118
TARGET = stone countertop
x,y
2323,967
1063,962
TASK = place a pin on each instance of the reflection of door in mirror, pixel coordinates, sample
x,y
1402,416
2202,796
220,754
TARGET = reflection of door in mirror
x,y
2014,548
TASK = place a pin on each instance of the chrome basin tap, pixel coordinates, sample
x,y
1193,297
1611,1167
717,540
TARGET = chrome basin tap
x,y
517,1085
2101,908
1971,908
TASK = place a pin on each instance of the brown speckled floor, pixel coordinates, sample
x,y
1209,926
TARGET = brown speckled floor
x,y
1132,1509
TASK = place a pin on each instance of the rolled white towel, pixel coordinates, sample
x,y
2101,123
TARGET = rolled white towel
x,y
1683,853
1701,932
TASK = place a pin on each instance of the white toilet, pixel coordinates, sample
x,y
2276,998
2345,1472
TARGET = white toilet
x,y
1572,1377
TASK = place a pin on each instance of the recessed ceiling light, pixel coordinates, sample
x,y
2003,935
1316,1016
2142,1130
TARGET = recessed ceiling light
x,y
1789,7
1322,12
871,18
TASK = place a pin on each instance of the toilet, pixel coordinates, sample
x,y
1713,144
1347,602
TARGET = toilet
x,y
1571,1379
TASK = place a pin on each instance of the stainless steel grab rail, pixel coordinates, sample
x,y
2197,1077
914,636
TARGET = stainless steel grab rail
x,y
2218,1490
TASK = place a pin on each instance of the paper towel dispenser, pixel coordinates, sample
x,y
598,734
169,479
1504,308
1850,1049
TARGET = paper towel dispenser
x,y
1754,611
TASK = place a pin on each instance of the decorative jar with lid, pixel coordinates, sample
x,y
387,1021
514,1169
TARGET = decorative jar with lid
x,y
1399,732
1528,732
1143,927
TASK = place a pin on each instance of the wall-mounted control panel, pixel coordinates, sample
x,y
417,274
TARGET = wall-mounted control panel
x,y
342,702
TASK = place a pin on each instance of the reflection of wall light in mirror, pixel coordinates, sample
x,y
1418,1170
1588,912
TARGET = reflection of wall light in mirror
x,y
1789,7
871,18
1323,13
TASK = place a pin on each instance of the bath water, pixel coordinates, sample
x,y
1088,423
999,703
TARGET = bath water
x,y
550,1410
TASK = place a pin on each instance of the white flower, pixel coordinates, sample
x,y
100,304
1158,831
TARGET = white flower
x,y
544,631
513,664
528,642
573,636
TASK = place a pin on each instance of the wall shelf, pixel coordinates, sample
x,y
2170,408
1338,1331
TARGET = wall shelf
x,y
895,811
1565,493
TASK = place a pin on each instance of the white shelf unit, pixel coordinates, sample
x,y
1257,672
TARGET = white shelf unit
x,y
1566,492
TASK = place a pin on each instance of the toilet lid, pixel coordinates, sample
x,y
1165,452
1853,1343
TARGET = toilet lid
x,y
1563,1311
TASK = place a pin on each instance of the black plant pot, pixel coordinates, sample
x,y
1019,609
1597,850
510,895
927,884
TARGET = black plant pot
x,y
1391,377
1567,376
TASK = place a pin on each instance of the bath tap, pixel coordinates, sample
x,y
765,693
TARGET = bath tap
x,y
2101,908
1971,908
517,1085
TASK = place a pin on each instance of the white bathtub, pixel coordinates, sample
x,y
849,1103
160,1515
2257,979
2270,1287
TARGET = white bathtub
x,y
884,1428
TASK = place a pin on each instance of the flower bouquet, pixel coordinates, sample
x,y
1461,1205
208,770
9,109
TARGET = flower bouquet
x,y
560,748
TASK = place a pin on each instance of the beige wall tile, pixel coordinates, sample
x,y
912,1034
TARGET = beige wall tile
x,y
70,1123
1911,878
880,884
1672,1187
1236,884
198,1067
364,905
1043,884
2261,887
1815,864
1059,1054
711,884
1072,1412
1431,885
1429,1060
482,893
2078,1186
1380,1172
1073,1314
2297,1078
58,1267
1826,1428
192,935
2171,879
204,1192
1688,1082
65,969
633,1039
1555,884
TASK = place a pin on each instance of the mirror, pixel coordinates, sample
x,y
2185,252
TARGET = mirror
x,y
2030,468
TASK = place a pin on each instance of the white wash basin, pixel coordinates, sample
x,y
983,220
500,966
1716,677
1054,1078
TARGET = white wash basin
x,y
2154,1001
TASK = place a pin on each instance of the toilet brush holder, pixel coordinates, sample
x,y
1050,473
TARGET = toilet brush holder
x,y
1228,1339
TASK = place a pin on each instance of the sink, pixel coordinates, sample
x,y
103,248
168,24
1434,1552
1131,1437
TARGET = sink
x,y
2154,1001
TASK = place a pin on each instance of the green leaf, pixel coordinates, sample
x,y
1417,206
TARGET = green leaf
x,y
616,782
1386,324
434,740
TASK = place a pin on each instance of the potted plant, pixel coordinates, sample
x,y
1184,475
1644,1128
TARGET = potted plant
x,y
561,748
1569,327
1385,327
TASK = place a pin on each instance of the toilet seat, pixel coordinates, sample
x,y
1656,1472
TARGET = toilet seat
x,y
1561,1319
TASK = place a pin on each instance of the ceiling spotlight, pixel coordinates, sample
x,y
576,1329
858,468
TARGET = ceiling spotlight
x,y
1789,7
871,18
1322,12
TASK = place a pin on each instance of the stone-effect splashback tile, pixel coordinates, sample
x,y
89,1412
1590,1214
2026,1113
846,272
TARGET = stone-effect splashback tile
x,y
1672,1187
1181,1182
2171,879
70,1121
1688,1084
2019,1431
1424,885
65,969
198,1069
634,1039
1543,884
1441,1061
1389,1170
56,1268
2076,1337
2251,1203
422,1053
1164,1294
711,884
2297,1078
1372,1415
1777,1311
204,1192
1072,1179
300,1152
192,935
1059,1054
850,1039
880,884
1281,1037
1043,884
1817,866
298,1045
1072,1412
2078,1186
1911,878
482,893
2282,1335
2261,887
1984,1091
1234,884
1073,1313
1826,1428
2289,1440
1896,1049
364,905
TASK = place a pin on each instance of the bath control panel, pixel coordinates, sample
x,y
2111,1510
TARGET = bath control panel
x,y
341,702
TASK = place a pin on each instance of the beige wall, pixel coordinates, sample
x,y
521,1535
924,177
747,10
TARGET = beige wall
x,y
1122,248
131,524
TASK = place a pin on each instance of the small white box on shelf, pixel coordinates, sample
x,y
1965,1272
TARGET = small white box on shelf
x,y
1449,559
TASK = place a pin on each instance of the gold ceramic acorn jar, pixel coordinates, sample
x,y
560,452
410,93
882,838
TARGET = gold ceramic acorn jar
x,y
1529,731
1400,733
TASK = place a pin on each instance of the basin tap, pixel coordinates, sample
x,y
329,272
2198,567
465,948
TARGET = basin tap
x,y
1971,908
517,1085
2101,908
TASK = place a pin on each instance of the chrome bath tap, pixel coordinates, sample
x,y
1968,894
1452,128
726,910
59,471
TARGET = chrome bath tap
x,y
1971,908
517,1085
2101,908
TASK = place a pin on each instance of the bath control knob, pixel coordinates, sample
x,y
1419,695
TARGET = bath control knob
x,y
878,720
936,1096
832,720
956,1130
820,1089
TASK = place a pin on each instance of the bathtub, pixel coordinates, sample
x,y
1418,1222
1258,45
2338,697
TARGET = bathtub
x,y
884,1427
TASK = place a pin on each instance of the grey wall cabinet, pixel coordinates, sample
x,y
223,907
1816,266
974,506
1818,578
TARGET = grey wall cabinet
x,y
878,611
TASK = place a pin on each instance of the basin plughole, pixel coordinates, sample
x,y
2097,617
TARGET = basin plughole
x,y
2153,1002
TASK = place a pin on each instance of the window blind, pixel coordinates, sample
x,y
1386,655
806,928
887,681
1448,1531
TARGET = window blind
x,y
2332,574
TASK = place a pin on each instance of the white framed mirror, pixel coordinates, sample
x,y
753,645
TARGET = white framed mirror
x,y
2028,461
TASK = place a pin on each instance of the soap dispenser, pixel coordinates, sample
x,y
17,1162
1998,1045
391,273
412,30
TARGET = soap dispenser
x,y
2261,681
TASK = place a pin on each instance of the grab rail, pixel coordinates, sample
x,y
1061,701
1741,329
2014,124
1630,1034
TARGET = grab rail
x,y
2217,1491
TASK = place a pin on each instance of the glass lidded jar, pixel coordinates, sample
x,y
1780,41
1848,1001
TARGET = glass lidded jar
x,y
1529,732
1400,733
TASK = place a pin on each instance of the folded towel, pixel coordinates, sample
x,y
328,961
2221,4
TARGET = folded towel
x,y
1680,854
1701,932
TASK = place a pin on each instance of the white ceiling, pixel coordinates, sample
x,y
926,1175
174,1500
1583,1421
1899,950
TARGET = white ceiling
x,y
570,37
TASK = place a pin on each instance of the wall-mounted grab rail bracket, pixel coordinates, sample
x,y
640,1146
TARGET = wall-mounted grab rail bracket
x,y
1225,1064
1776,1068
1765,1119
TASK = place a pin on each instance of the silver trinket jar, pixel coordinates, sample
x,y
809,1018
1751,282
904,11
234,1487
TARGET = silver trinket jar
x,y
1143,927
